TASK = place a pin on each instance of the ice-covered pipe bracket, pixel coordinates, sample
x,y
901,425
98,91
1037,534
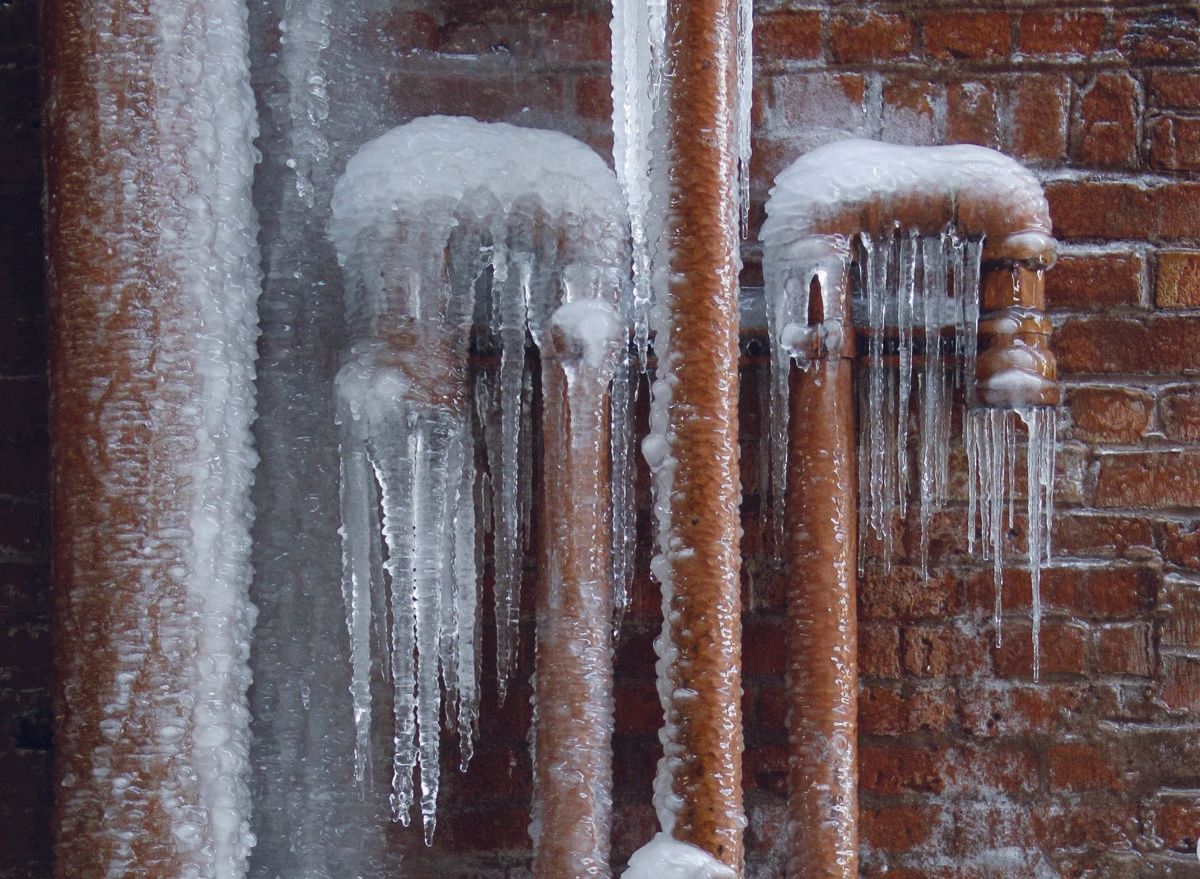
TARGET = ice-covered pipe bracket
x,y
450,230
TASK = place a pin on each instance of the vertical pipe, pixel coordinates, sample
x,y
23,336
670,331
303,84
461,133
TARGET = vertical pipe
x,y
1016,367
822,633
573,721
152,283
695,402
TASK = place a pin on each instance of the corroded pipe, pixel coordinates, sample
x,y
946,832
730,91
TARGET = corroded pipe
x,y
693,444
821,617
1016,366
152,280
573,721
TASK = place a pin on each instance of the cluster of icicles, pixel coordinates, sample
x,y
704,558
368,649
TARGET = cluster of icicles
x,y
442,225
908,288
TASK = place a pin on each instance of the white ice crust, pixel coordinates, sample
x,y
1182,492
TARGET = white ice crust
x,y
665,857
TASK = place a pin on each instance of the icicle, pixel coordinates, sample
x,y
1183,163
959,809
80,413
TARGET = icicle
x,y
467,597
745,99
624,528
638,38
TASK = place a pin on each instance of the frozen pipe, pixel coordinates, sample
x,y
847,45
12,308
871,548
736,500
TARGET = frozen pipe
x,y
822,668
692,450
816,208
583,348
153,277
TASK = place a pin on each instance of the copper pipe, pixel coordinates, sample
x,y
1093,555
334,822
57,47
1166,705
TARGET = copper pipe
x,y
697,346
137,782
1016,366
573,683
821,616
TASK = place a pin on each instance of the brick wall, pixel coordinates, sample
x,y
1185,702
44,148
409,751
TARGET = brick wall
x,y
24,598
969,768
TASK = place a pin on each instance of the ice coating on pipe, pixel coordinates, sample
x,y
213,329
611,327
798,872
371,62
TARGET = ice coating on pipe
x,y
440,224
153,322
667,858
864,185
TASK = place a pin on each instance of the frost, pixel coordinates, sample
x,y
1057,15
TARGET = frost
x,y
667,858
437,223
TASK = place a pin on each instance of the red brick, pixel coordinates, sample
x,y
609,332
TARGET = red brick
x,y
1111,592
490,99
1171,34
1096,280
571,36
1178,282
1174,90
870,36
1062,33
903,594
1106,414
404,32
638,710
1125,650
911,109
996,823
941,651
888,711
1182,545
1039,117
1141,346
1112,822
593,98
780,36
771,708
1181,617
1156,480
892,770
878,650
1102,535
995,709
1181,413
765,768
1174,143
1081,766
970,35
1063,649
900,828
978,770
972,114
1175,819
1107,132
1179,687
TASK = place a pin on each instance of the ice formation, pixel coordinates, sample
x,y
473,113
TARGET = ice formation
x,y
667,858
639,34
827,226
439,224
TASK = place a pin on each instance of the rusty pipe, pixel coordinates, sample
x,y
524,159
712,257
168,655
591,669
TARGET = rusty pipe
x,y
822,665
150,435
693,444
1016,366
573,681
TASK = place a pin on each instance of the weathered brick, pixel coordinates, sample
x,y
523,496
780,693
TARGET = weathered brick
x,y
574,36
1179,683
1171,34
892,770
1118,591
1081,766
1096,280
1155,480
993,708
1125,650
938,651
1040,104
973,114
1103,535
832,102
782,36
405,31
1107,128
1180,414
878,650
1106,414
519,97
593,98
983,769
1062,33
1175,819
1063,649
890,711
1098,821
1174,143
900,828
1177,284
1181,616
971,35
903,594
870,36
1175,90
911,109
765,651
1115,345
